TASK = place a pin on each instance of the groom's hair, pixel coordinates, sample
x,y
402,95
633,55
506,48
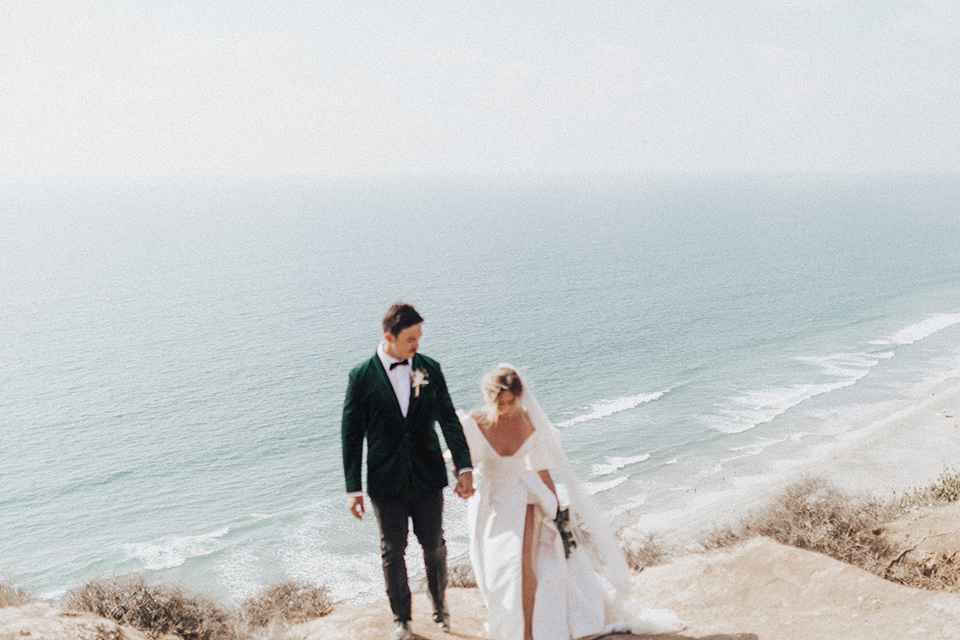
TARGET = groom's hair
x,y
400,316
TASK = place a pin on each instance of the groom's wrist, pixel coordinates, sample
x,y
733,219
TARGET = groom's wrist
x,y
354,494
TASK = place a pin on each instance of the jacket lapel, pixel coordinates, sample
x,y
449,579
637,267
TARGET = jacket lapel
x,y
387,389
415,363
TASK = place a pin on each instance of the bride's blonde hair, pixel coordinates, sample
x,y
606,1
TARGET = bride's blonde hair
x,y
499,380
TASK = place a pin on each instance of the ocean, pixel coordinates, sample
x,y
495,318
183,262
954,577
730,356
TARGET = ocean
x,y
173,356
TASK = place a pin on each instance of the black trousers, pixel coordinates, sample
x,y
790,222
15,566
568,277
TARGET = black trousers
x,y
393,516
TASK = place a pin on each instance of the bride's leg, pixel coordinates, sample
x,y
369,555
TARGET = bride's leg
x,y
529,576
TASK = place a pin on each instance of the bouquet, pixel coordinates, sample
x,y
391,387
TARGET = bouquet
x,y
566,531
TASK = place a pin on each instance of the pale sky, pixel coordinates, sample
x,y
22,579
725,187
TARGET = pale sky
x,y
124,89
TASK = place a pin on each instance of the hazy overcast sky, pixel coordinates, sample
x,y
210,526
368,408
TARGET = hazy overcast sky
x,y
140,89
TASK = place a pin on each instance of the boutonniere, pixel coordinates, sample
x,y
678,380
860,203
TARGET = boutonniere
x,y
418,378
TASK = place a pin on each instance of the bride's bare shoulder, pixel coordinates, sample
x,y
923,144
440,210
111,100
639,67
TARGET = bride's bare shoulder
x,y
479,416
526,417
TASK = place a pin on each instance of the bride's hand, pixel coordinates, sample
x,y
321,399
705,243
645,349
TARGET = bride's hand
x,y
464,487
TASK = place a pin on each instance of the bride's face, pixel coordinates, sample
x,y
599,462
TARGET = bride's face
x,y
507,403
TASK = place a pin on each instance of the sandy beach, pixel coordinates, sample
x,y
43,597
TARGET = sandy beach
x,y
908,447
888,451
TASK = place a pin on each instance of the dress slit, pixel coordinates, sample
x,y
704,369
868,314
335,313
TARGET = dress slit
x,y
531,535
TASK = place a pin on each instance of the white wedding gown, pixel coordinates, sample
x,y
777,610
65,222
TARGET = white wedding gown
x,y
572,601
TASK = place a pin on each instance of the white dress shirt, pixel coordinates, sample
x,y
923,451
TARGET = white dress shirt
x,y
399,378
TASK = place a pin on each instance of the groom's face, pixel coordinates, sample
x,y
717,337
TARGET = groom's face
x,y
404,344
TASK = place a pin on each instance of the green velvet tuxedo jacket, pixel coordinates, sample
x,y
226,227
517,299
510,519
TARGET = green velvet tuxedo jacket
x,y
403,454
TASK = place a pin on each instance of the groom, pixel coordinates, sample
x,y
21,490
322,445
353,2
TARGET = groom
x,y
393,401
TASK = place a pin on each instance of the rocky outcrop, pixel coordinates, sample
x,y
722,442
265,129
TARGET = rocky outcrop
x,y
925,542
40,621
762,590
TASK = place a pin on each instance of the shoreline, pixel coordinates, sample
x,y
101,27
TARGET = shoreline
x,y
888,452
910,446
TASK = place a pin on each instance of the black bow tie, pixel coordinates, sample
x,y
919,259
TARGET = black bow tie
x,y
401,363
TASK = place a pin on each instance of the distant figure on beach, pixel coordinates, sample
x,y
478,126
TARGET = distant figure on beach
x,y
544,574
393,401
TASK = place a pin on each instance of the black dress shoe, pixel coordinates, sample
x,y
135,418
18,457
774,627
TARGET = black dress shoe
x,y
401,631
442,620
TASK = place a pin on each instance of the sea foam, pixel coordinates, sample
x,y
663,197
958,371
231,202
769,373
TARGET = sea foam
x,y
173,551
923,329
604,409
846,364
753,408
599,487
614,463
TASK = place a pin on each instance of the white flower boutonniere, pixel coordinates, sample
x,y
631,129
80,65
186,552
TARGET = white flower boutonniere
x,y
418,379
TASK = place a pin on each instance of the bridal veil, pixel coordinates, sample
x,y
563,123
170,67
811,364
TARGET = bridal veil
x,y
595,537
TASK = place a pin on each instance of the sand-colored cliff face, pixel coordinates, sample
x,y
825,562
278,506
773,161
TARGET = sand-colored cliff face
x,y
758,590
40,621
926,542
765,590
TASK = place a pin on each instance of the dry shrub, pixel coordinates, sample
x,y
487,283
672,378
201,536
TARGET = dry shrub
x,y
157,609
811,514
11,596
646,552
945,490
460,574
938,573
286,602
941,572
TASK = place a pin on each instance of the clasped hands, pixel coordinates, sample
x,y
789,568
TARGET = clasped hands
x,y
464,487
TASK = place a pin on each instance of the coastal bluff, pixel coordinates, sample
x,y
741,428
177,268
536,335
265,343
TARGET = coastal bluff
x,y
756,590
763,590
42,621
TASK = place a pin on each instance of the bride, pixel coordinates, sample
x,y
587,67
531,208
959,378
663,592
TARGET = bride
x,y
535,586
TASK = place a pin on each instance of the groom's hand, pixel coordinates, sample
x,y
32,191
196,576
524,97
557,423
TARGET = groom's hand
x,y
464,487
355,505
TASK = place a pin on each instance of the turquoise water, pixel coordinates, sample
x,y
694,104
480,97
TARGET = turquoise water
x,y
173,358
